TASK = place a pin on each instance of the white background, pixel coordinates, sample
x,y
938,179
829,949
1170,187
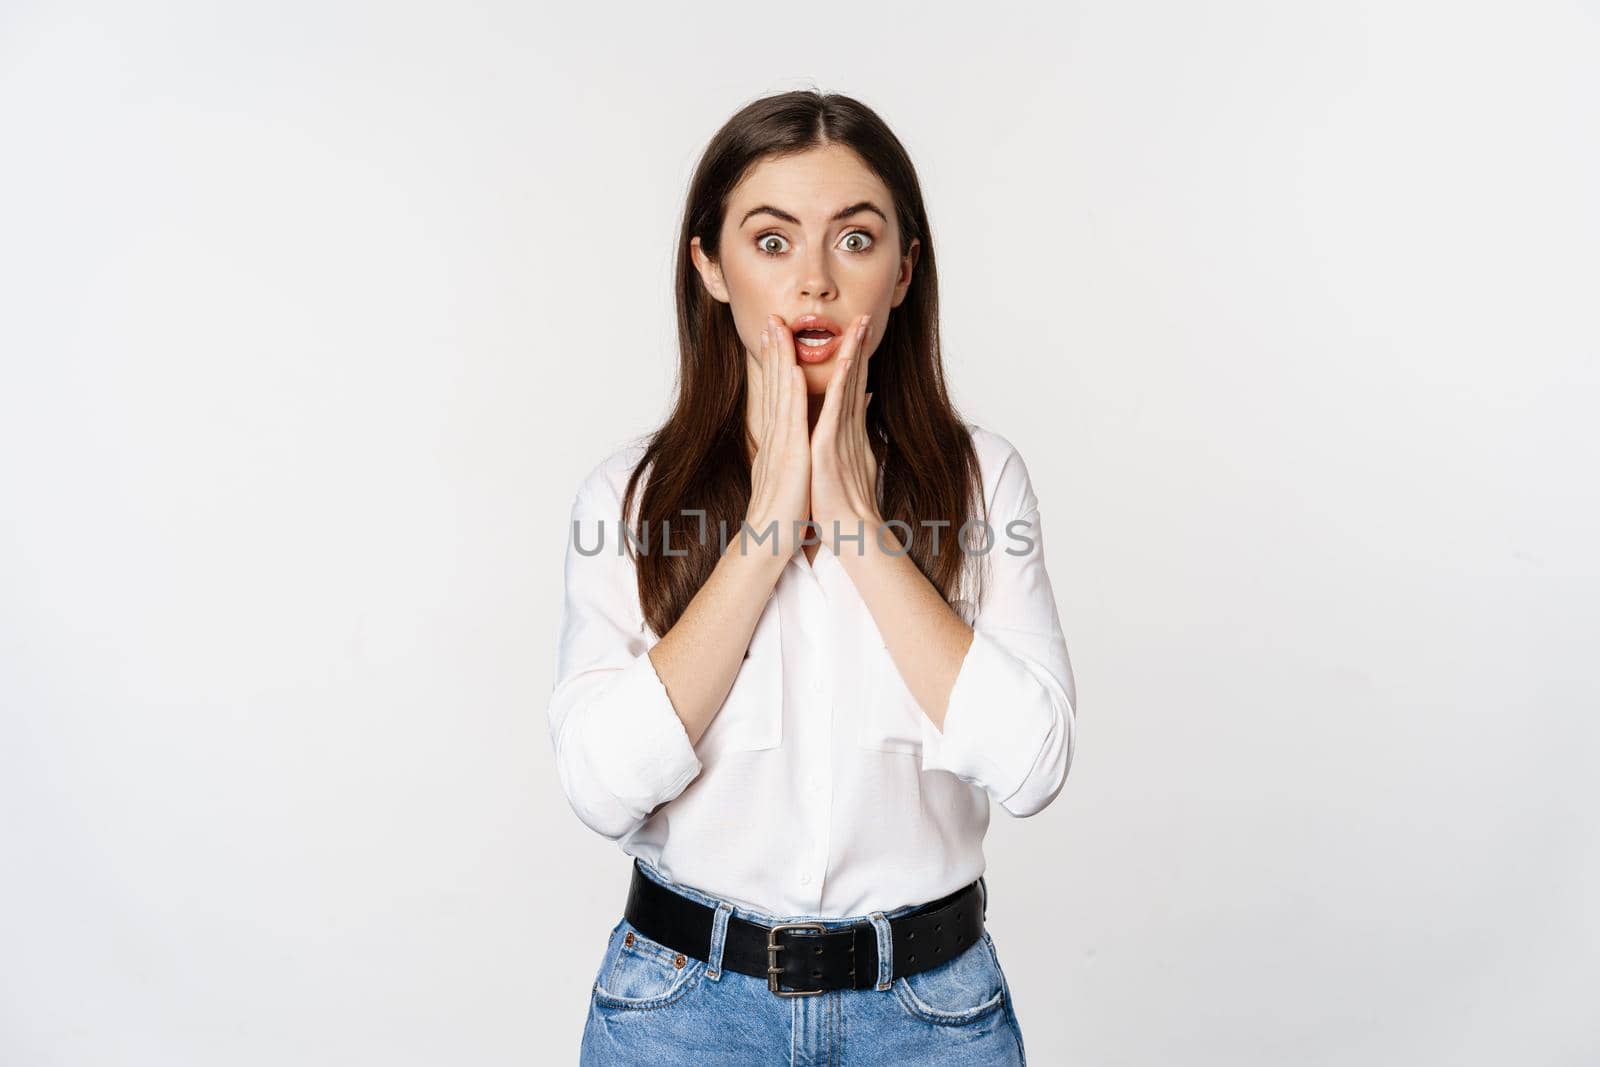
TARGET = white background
x,y
312,315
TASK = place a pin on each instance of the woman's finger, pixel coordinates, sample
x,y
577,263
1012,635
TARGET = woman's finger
x,y
783,398
782,344
831,398
800,433
861,458
853,386
856,386
769,388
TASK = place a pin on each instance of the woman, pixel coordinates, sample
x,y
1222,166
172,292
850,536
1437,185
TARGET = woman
x,y
845,674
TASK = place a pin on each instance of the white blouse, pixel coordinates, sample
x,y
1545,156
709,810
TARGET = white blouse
x,y
820,788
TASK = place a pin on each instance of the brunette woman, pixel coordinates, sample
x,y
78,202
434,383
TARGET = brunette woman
x,y
808,637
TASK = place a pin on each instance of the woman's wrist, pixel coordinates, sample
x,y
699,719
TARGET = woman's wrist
x,y
857,533
759,551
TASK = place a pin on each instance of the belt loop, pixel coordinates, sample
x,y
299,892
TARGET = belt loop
x,y
719,938
885,950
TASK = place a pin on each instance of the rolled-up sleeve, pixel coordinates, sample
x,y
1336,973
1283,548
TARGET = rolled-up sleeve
x,y
620,749
1010,726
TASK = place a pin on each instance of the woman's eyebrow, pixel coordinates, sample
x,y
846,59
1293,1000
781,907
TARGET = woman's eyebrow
x,y
768,209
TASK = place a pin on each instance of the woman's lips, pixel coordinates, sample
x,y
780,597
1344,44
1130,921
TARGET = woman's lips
x,y
813,353
816,338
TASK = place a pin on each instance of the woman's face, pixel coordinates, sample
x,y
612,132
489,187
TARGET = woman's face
x,y
809,234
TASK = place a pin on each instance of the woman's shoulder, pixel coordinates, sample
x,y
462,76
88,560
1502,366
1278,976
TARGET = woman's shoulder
x,y
992,446
1007,486
602,486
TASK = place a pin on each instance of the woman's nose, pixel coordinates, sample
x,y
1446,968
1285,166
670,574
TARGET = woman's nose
x,y
816,281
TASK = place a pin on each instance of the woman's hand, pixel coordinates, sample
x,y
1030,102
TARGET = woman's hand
x,y
780,473
844,471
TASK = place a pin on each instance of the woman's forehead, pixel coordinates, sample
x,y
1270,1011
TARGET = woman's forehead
x,y
813,186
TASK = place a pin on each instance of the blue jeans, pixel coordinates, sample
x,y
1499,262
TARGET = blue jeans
x,y
646,1009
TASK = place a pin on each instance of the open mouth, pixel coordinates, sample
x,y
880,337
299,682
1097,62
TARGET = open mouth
x,y
815,338
815,348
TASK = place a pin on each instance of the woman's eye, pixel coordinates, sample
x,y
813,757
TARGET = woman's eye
x,y
864,235
773,244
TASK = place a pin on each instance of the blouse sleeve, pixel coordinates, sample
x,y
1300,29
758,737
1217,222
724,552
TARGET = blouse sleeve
x,y
621,751
1011,722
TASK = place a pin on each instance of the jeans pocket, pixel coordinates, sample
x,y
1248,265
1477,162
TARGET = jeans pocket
x,y
638,973
958,991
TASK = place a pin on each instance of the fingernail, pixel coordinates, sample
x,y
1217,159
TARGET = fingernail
x,y
866,320
764,338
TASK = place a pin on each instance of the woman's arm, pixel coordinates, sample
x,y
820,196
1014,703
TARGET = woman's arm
x,y
700,657
624,715
625,718
999,695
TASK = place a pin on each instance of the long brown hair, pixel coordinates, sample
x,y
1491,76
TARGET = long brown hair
x,y
698,459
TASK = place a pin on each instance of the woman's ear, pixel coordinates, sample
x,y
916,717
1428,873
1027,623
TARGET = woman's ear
x,y
710,272
908,263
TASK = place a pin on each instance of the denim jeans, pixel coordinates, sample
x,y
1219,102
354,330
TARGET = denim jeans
x,y
647,1009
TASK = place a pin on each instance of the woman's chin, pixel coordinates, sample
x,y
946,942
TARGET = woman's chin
x,y
817,376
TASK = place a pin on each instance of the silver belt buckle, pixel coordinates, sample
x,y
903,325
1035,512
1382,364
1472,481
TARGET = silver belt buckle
x,y
773,970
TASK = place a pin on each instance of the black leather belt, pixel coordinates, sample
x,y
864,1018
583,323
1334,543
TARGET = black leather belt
x,y
803,959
